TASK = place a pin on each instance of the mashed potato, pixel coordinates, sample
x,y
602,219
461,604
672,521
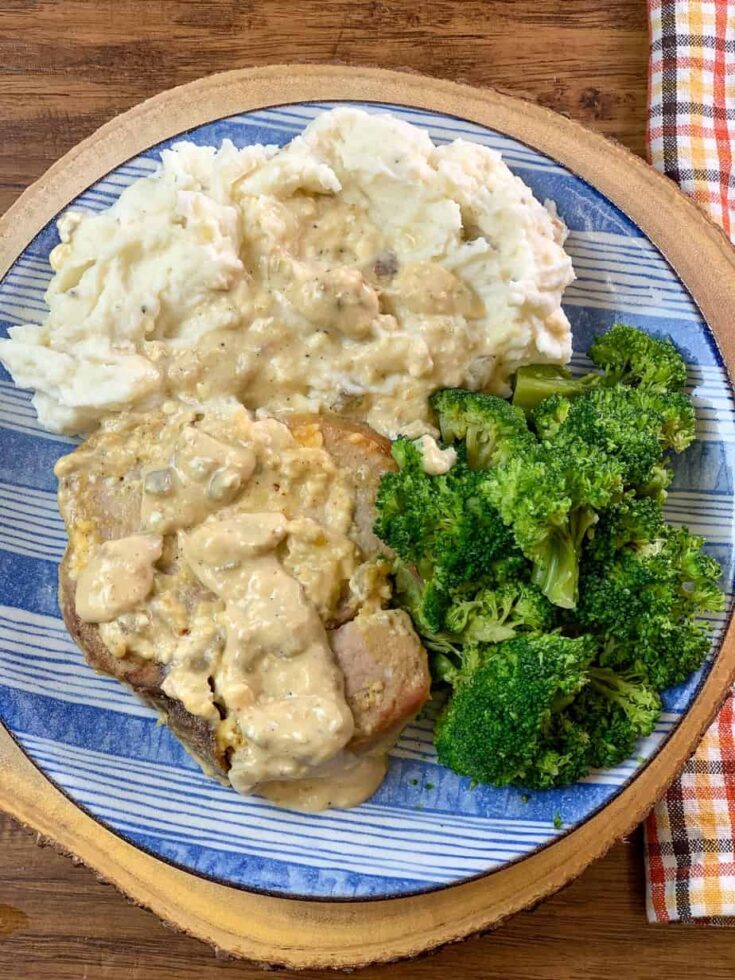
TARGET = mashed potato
x,y
355,270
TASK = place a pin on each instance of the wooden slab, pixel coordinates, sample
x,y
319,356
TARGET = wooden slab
x,y
67,66
304,934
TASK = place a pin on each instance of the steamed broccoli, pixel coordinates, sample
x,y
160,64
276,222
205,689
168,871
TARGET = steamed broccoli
x,y
624,353
536,382
550,416
631,522
630,426
636,358
540,572
534,712
643,602
593,448
530,494
491,428
678,422
615,710
550,500
447,620
443,525
496,614
505,723
656,486
426,604
607,419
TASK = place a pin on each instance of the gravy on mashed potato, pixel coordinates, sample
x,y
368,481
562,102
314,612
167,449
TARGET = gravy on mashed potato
x,y
355,270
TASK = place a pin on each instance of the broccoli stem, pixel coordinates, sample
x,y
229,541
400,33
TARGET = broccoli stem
x,y
444,669
640,703
536,382
607,682
556,570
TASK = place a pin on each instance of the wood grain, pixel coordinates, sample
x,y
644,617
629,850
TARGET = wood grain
x,y
71,926
65,68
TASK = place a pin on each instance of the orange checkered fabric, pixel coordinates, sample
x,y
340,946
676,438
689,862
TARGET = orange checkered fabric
x,y
690,835
690,859
691,126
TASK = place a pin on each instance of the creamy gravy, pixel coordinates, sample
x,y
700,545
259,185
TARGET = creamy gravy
x,y
233,592
119,577
277,672
435,460
203,475
348,781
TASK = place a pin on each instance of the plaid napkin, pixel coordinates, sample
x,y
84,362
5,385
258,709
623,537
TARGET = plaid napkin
x,y
690,835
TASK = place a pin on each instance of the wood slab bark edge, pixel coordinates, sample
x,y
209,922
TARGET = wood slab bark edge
x,y
311,934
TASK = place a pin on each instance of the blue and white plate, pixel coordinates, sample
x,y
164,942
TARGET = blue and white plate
x,y
426,827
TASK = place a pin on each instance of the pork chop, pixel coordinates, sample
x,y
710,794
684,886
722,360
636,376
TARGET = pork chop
x,y
102,496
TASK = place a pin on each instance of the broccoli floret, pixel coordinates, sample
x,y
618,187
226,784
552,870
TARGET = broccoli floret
x,y
504,723
670,572
492,429
626,355
537,382
631,694
425,605
615,710
631,522
593,479
643,604
608,419
635,358
530,494
510,570
443,525
657,483
459,665
494,615
446,620
678,422
550,500
698,574
549,416
537,517
630,426
665,651
565,758
403,500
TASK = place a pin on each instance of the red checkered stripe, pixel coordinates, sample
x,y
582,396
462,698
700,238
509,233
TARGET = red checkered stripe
x,y
691,126
690,836
690,854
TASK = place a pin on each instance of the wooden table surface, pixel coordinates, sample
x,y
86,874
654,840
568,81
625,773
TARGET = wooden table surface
x,y
65,68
